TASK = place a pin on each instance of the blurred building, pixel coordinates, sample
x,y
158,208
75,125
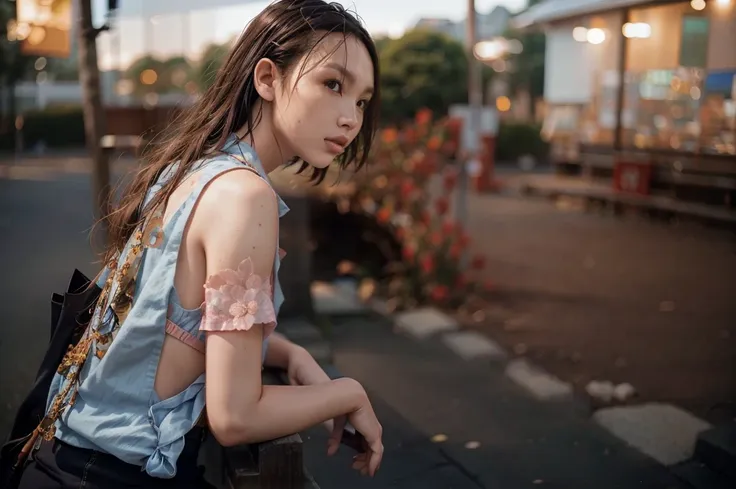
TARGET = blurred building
x,y
489,25
674,115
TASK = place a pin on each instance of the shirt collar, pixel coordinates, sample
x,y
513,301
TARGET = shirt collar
x,y
237,147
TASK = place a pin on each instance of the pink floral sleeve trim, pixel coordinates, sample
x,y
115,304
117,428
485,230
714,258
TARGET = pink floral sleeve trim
x,y
235,300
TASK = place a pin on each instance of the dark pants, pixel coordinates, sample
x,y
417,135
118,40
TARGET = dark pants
x,y
58,465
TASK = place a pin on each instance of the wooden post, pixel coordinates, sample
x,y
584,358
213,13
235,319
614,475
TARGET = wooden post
x,y
94,116
275,464
621,93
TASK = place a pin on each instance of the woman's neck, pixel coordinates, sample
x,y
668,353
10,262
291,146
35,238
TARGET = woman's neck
x,y
263,139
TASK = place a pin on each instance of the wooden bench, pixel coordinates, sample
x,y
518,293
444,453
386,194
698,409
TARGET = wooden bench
x,y
276,464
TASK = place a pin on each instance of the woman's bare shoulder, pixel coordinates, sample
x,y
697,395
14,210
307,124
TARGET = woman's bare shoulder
x,y
237,218
237,190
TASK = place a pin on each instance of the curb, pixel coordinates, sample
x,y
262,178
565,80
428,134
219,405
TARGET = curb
x,y
663,432
428,322
666,433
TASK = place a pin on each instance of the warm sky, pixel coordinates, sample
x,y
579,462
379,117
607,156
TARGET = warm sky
x,y
189,25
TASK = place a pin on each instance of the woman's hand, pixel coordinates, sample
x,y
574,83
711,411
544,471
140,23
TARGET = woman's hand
x,y
304,370
368,461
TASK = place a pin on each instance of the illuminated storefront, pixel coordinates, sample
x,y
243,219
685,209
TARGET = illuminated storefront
x,y
676,107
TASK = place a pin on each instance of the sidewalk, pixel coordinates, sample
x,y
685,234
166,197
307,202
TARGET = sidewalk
x,y
553,186
51,167
591,297
496,435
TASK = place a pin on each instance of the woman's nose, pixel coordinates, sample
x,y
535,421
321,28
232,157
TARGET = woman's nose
x,y
349,118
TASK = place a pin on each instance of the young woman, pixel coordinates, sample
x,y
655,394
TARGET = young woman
x,y
190,291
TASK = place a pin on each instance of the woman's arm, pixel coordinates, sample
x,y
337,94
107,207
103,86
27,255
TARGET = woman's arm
x,y
237,220
281,352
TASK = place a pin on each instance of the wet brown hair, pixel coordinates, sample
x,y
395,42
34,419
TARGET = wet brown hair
x,y
283,32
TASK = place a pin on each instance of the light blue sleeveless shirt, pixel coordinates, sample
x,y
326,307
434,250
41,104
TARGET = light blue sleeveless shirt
x,y
117,410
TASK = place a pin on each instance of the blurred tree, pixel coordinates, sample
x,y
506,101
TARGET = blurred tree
x,y
149,74
381,42
422,69
527,73
528,66
177,71
211,60
145,75
14,66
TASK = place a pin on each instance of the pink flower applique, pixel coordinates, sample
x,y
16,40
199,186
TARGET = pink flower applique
x,y
235,300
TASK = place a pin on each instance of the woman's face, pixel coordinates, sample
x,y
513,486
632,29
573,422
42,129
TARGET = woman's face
x,y
320,113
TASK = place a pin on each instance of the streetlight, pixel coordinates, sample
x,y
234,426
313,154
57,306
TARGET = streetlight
x,y
637,30
496,48
489,50
475,101
697,4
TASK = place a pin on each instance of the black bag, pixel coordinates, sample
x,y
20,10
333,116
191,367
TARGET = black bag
x,y
70,314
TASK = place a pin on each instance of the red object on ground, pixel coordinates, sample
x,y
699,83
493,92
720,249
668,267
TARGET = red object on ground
x,y
632,177
486,181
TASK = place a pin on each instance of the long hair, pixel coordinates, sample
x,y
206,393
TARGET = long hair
x,y
284,32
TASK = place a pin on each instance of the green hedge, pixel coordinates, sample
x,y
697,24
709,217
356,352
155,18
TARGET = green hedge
x,y
58,127
518,139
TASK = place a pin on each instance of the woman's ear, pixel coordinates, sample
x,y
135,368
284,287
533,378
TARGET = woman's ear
x,y
264,77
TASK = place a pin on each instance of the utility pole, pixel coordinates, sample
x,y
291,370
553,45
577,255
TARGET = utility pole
x,y
472,123
94,114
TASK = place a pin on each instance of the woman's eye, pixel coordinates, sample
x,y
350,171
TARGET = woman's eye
x,y
362,104
334,85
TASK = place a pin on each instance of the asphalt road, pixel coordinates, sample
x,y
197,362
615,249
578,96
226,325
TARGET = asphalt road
x,y
45,226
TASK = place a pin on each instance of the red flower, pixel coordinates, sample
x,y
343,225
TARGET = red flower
x,y
410,135
407,187
424,116
389,135
478,262
489,286
426,165
383,215
434,143
408,253
454,126
400,234
448,227
427,264
449,180
461,280
449,148
442,206
439,293
435,239
425,218
463,240
455,251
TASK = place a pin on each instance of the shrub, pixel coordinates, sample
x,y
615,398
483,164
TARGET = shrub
x,y
518,139
394,189
57,127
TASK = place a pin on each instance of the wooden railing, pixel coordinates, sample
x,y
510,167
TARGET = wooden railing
x,y
276,464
